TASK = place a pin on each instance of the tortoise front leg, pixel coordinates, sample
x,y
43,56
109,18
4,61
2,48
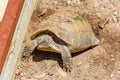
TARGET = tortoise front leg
x,y
66,57
65,54
29,48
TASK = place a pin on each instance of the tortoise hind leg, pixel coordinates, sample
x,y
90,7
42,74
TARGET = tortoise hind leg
x,y
66,57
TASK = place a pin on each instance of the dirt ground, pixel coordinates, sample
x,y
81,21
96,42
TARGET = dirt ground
x,y
99,63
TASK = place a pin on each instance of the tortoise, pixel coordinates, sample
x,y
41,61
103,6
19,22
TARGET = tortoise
x,y
64,33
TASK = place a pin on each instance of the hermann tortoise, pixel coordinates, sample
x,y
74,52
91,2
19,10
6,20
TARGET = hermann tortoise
x,y
64,33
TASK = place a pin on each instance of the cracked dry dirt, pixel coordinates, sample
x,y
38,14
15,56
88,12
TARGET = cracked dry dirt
x,y
99,63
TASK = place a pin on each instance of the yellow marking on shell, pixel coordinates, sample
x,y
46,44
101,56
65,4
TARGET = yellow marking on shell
x,y
60,14
81,22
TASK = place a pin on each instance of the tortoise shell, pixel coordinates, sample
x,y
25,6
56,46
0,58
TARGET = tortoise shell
x,y
69,27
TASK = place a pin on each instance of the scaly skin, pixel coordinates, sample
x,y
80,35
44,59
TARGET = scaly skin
x,y
29,48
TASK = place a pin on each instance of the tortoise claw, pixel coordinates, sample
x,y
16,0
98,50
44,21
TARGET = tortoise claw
x,y
26,54
67,64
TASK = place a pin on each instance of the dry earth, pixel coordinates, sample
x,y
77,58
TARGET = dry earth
x,y
99,63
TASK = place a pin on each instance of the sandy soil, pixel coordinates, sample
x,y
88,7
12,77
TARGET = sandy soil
x,y
99,63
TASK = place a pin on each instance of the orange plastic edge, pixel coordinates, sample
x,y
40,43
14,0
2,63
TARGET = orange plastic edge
x,y
7,27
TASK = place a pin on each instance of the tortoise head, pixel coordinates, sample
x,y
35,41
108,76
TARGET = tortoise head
x,y
43,41
46,43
